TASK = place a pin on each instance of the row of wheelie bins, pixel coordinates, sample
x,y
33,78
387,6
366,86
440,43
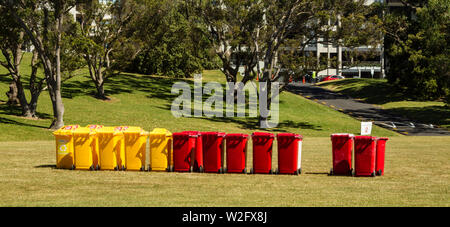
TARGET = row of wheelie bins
x,y
95,147
368,153
205,152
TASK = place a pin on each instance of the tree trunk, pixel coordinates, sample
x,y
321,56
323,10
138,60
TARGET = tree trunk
x,y
12,94
101,91
55,89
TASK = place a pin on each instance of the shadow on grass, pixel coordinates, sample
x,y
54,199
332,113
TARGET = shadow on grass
x,y
46,166
371,90
17,111
318,173
436,115
13,122
154,86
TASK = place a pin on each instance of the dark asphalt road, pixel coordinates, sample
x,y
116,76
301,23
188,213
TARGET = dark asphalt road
x,y
366,112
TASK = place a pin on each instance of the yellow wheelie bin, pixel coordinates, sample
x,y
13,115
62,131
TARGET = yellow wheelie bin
x,y
111,152
84,141
64,147
95,147
161,158
135,139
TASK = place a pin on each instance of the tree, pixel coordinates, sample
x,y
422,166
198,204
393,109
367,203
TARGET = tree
x,y
171,42
44,26
274,32
417,44
102,28
12,41
233,29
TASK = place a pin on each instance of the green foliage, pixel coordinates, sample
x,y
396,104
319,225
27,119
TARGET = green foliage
x,y
418,49
173,45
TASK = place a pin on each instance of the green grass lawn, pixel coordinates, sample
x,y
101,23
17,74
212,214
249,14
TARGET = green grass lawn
x,y
416,174
383,94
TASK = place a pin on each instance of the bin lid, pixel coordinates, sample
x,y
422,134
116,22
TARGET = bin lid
x,y
161,131
66,130
132,129
106,130
342,135
263,134
193,132
365,138
383,138
236,135
221,134
187,133
288,134
69,127
83,130
94,127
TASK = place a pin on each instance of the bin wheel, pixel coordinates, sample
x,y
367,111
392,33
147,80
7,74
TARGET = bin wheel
x,y
201,169
373,174
72,167
191,169
380,172
244,171
300,171
297,172
123,168
225,170
91,168
252,171
97,167
149,168
331,172
142,168
116,168
171,169
270,171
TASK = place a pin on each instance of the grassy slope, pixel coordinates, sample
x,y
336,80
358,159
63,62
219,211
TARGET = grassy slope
x,y
413,178
381,93
145,101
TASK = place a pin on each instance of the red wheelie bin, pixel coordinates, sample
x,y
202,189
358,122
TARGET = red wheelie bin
x,y
213,151
262,152
198,154
365,155
381,149
289,153
184,148
236,145
342,146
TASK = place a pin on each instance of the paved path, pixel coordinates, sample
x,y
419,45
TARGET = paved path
x,y
366,112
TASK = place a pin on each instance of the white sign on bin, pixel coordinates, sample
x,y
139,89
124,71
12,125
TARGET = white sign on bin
x,y
366,128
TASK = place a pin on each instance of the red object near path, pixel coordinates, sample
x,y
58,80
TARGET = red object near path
x,y
213,151
236,145
342,146
262,152
380,156
365,155
289,153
